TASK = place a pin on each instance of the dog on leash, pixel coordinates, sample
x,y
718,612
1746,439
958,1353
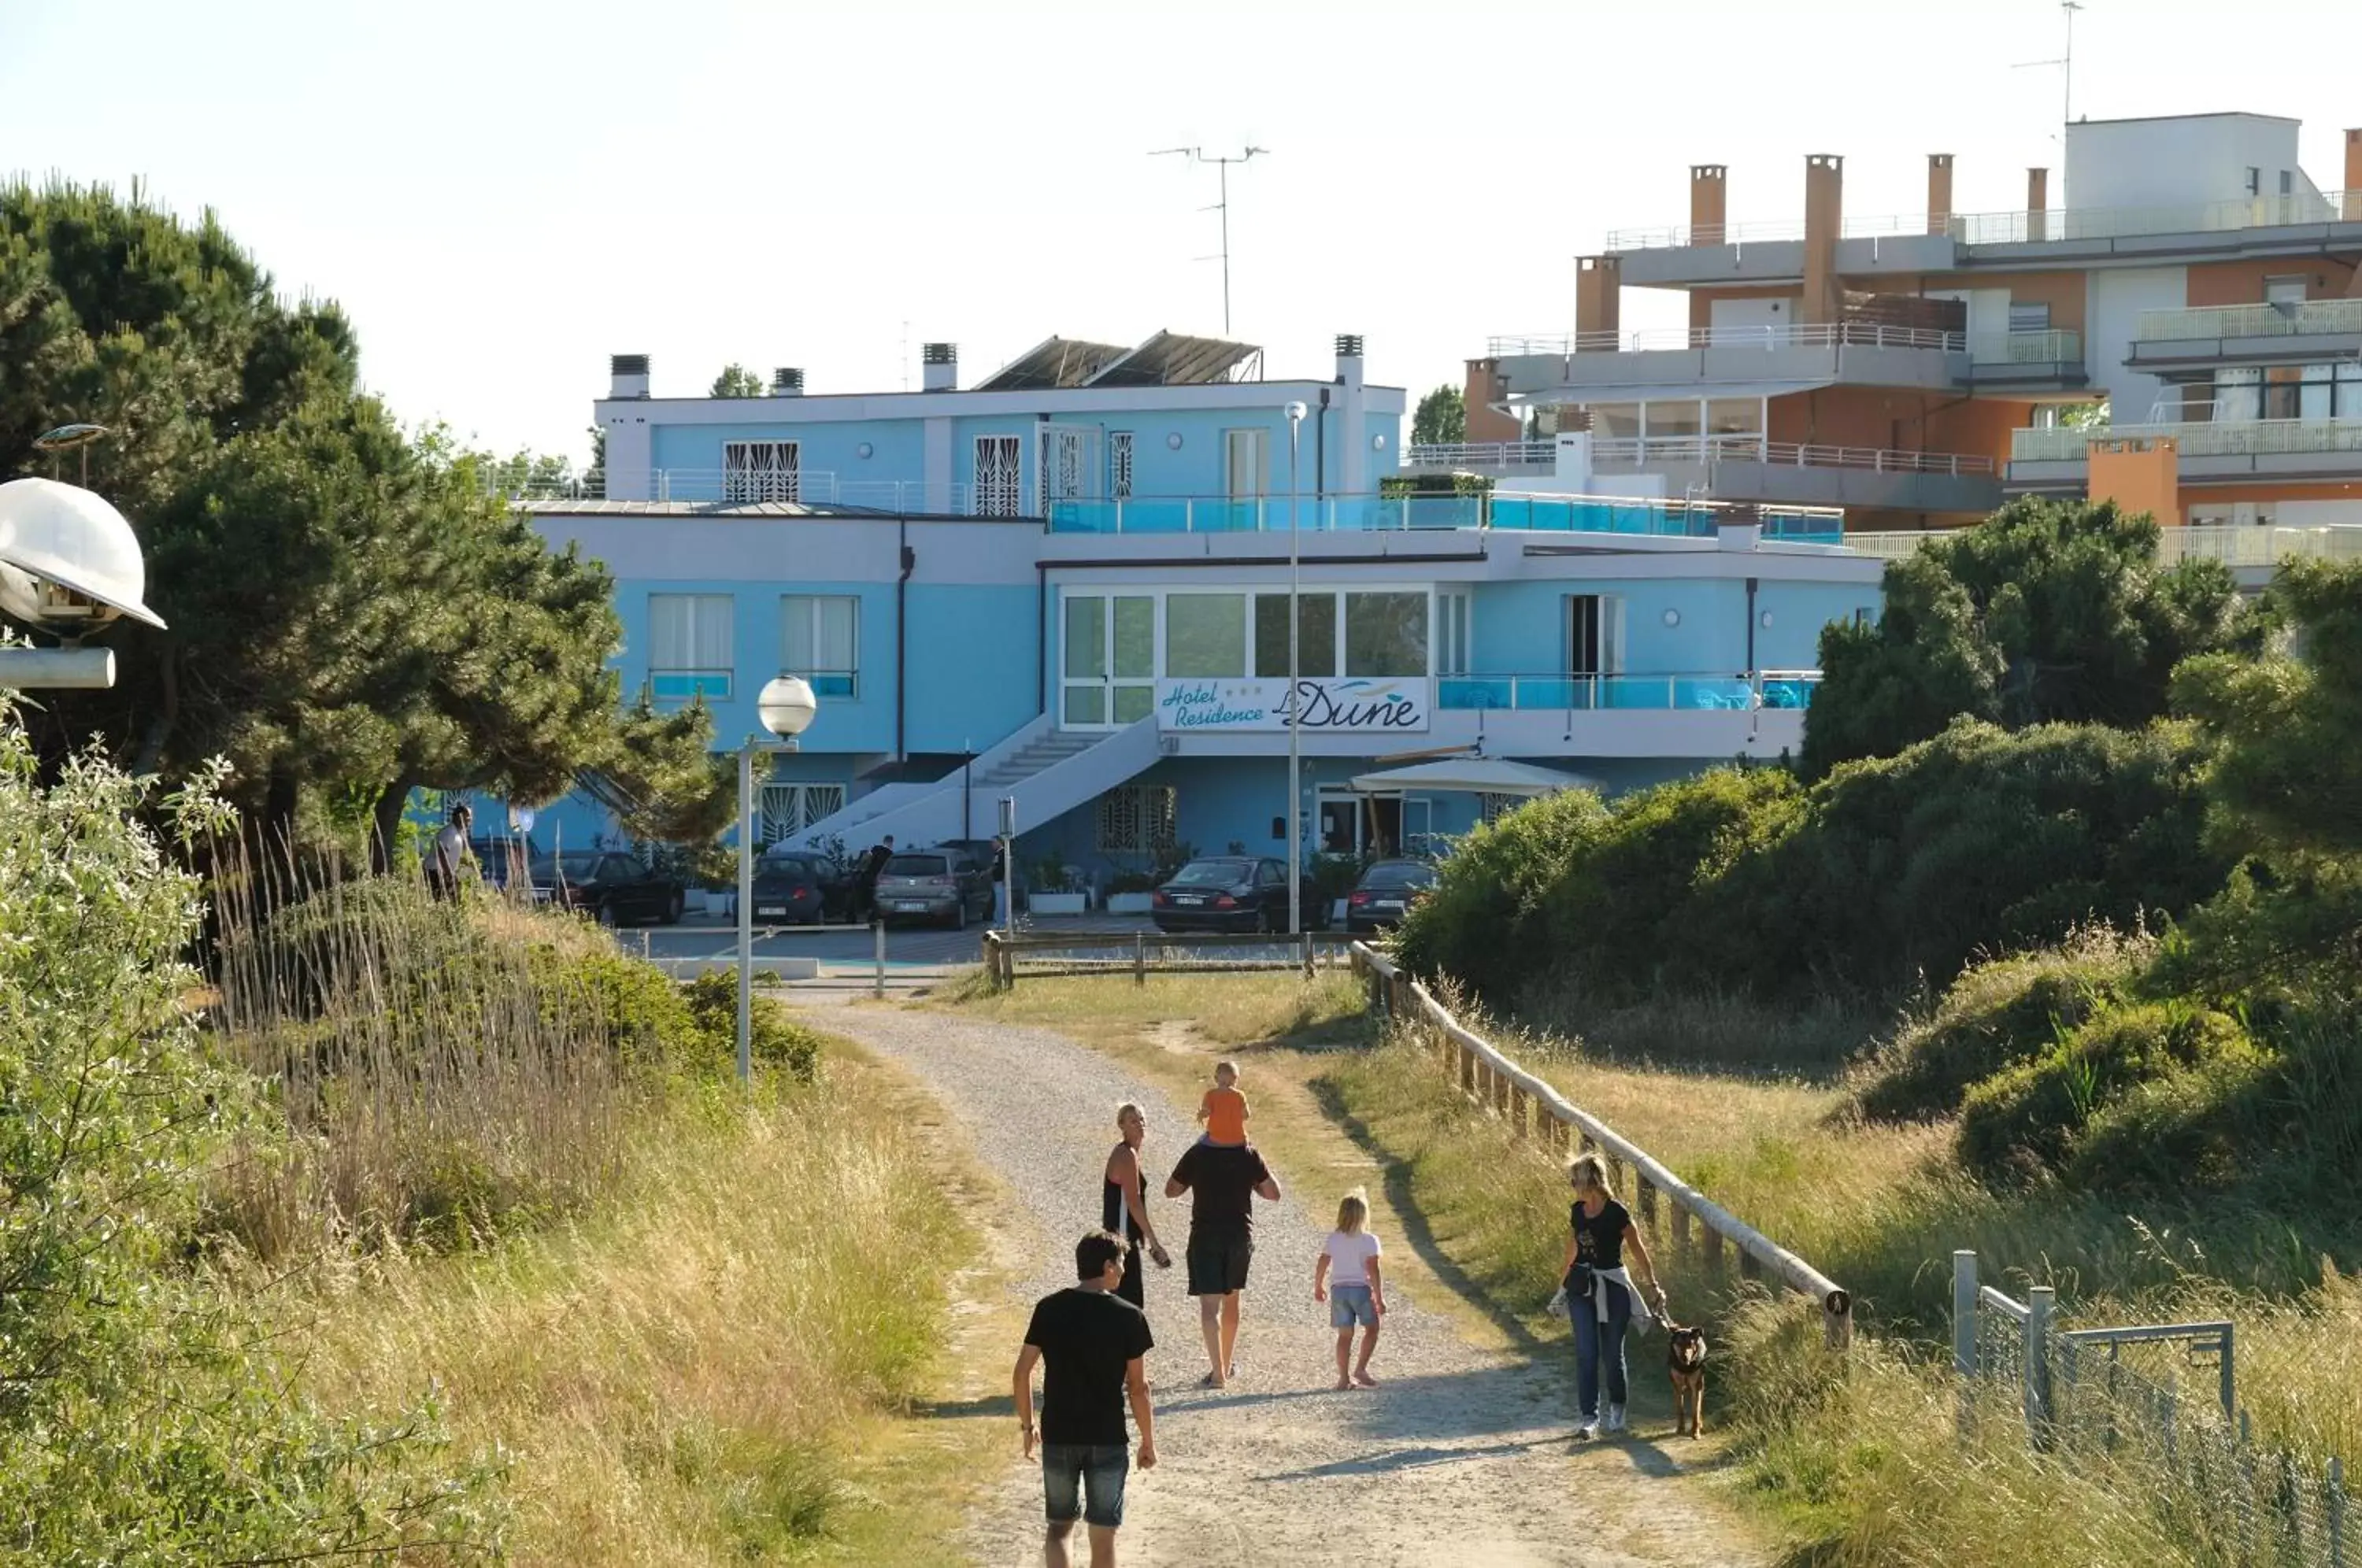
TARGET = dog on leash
x,y
1685,1360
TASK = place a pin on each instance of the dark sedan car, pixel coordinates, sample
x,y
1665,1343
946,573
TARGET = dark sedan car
x,y
802,888
1223,893
613,888
1386,892
942,885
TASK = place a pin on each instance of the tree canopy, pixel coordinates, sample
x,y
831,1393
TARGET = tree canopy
x,y
2048,612
1441,417
737,380
354,611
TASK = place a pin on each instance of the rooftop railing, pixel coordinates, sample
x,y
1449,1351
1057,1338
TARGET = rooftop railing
x,y
2025,227
2247,545
1794,334
2206,438
1374,514
2293,319
1640,452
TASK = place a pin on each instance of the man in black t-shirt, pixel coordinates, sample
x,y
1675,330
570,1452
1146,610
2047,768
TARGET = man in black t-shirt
x,y
1227,1180
1090,1342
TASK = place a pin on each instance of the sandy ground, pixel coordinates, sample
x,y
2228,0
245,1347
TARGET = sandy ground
x,y
1462,1456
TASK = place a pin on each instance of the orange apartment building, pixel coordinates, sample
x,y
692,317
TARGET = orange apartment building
x,y
2194,284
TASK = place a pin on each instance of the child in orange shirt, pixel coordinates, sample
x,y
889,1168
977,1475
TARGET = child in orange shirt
x,y
1224,1110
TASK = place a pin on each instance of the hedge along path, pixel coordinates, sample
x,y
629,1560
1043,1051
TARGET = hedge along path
x,y
1489,1077
1463,1455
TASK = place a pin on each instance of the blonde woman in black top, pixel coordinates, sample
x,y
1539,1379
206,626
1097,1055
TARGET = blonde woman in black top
x,y
1601,1299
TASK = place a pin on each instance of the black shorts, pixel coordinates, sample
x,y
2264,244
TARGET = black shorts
x,y
1218,1261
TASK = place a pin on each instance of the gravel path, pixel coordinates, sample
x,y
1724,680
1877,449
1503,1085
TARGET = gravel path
x,y
1462,1456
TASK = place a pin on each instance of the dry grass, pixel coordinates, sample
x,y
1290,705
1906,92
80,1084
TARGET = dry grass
x,y
704,1368
1241,1008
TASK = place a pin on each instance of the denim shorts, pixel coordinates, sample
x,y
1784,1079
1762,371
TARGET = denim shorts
x,y
1350,1304
1085,1481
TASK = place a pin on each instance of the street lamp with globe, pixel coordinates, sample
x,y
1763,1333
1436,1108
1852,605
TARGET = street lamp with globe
x,y
787,708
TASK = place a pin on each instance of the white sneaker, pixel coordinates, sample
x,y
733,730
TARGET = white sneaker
x,y
1589,1429
1615,1419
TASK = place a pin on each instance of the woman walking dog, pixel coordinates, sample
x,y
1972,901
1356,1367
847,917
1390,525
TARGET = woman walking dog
x,y
1601,1299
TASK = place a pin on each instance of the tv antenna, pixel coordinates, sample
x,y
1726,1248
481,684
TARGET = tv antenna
x,y
2066,63
1222,162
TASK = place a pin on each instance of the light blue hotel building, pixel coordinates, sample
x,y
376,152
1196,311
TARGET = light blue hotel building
x,y
1070,583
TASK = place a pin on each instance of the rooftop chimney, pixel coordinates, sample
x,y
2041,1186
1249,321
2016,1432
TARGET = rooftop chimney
x,y
1824,217
939,367
2353,213
1348,358
1488,387
1598,299
627,375
1939,192
1709,198
787,381
2038,204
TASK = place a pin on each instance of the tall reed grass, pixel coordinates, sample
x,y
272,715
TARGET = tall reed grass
x,y
699,1368
442,1068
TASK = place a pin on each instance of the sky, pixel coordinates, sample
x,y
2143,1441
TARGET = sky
x,y
502,194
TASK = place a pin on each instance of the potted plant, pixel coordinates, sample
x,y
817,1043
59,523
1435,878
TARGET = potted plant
x,y
1054,891
1131,893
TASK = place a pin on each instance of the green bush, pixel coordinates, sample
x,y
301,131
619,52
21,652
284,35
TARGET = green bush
x,y
2026,1119
1885,877
1996,1015
776,1039
641,1012
142,1416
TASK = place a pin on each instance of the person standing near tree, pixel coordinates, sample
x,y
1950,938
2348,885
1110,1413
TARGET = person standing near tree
x,y
1227,1178
1090,1344
1123,1204
450,857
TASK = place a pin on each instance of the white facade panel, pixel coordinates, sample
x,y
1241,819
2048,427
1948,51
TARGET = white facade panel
x,y
2113,301
2178,161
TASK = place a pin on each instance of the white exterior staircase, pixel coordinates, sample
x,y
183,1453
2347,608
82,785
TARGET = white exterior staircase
x,y
1050,771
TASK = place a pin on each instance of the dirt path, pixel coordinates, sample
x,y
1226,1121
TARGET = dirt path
x,y
1462,1457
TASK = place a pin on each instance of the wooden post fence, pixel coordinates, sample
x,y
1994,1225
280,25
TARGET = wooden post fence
x,y
1519,1098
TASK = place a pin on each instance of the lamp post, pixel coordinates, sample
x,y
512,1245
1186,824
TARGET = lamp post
x,y
786,707
1295,709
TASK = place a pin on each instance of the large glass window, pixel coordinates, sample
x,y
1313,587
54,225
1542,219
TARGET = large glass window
x,y
820,640
1085,638
1205,634
1675,417
2238,392
1316,635
1615,421
688,644
1386,633
1734,416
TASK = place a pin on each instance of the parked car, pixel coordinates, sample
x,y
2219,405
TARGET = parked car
x,y
1223,893
1385,893
613,888
801,886
946,886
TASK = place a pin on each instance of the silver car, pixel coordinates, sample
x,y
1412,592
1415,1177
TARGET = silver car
x,y
939,885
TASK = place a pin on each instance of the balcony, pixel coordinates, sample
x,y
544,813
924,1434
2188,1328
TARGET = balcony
x,y
2272,445
1564,693
2241,548
1385,514
2249,334
1915,242
1771,361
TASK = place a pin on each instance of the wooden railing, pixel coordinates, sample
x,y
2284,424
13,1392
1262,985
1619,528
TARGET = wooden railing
x,y
1535,1111
1143,953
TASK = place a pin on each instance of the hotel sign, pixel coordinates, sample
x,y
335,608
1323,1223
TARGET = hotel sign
x,y
1351,705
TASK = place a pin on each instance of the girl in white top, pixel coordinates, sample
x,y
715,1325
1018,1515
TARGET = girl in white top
x,y
1353,1290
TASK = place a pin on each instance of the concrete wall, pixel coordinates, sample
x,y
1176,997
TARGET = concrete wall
x,y
2113,302
2177,162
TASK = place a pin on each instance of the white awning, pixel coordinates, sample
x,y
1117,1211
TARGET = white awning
x,y
1475,775
1659,391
